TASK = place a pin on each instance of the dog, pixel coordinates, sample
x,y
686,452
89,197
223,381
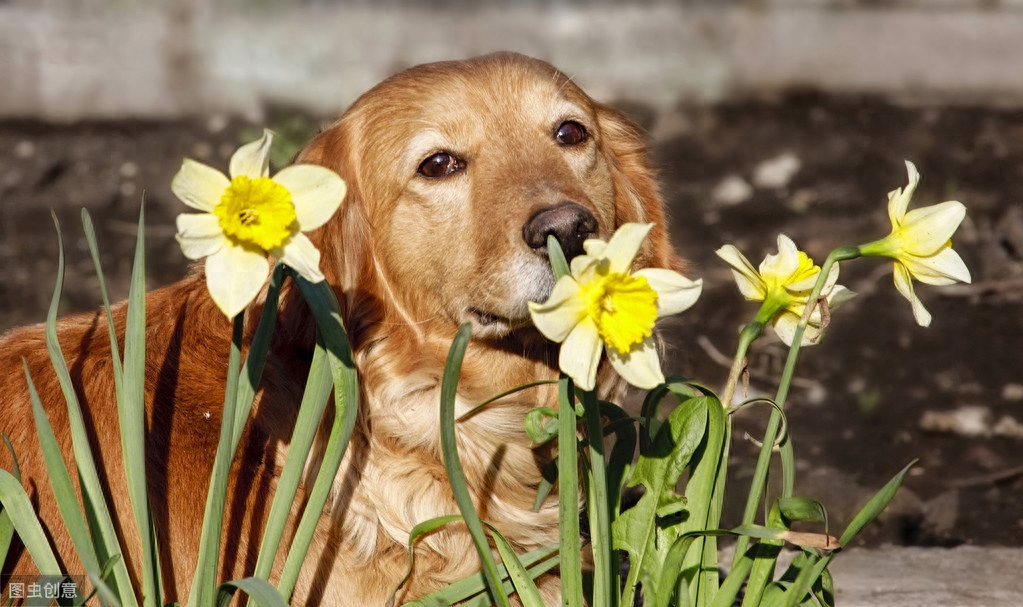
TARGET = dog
x,y
457,173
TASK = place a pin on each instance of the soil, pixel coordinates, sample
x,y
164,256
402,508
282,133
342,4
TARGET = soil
x,y
878,392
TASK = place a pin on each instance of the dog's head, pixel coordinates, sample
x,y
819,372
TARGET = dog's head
x,y
457,173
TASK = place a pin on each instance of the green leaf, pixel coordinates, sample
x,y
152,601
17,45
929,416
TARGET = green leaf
x,y
874,507
527,591
327,313
557,257
541,425
568,497
18,507
6,526
424,528
802,509
456,476
663,457
260,592
537,562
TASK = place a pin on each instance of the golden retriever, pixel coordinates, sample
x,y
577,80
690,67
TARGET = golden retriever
x,y
456,174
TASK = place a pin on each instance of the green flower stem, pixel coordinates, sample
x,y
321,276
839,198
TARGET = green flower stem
x,y
598,506
773,425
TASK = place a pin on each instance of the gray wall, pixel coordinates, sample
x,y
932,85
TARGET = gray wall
x,y
68,59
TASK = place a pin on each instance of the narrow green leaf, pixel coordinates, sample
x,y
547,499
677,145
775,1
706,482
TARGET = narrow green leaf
x,y
568,497
424,528
310,413
557,258
18,506
327,313
204,587
537,562
6,526
60,481
734,581
260,592
527,591
456,476
874,507
605,578
104,537
131,409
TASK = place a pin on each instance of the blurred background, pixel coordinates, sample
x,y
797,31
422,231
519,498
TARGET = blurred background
x,y
764,117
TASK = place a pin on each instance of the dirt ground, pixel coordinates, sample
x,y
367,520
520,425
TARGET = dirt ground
x,y
877,393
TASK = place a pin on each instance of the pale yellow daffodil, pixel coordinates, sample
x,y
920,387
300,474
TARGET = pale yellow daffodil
x,y
251,214
601,306
921,244
783,283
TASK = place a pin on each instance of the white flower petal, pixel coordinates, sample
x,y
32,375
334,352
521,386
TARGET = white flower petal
x,y
562,311
234,276
641,367
945,268
898,199
580,354
583,266
253,159
785,325
675,292
316,191
199,186
594,247
904,284
302,256
838,296
784,263
624,244
746,276
924,231
199,235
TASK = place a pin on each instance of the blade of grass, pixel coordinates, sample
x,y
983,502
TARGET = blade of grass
x,y
60,482
260,592
131,411
424,528
456,476
537,562
598,506
314,401
323,304
18,507
203,590
568,496
527,591
6,526
104,537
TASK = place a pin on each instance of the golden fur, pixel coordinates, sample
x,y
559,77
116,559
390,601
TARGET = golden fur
x,y
411,258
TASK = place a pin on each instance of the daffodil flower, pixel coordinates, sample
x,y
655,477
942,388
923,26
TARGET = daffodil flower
x,y
601,306
783,283
921,244
249,215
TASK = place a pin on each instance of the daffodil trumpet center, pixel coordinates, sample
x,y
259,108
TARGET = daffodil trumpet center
x,y
257,212
624,309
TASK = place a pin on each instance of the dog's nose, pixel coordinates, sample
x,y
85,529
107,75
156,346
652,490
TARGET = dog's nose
x,y
568,222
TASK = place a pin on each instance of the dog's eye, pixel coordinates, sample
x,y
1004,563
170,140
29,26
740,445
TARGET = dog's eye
x,y
570,133
441,164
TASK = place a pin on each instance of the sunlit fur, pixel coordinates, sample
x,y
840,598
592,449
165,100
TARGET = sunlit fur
x,y
411,259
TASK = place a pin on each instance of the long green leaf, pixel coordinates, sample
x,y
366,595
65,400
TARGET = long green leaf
x,y
605,577
527,591
323,304
60,481
260,592
424,528
456,476
310,413
203,590
18,506
104,537
6,526
131,410
537,562
568,497
874,506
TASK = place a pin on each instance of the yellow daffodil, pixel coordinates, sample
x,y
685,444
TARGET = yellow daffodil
x,y
921,244
249,215
602,306
783,284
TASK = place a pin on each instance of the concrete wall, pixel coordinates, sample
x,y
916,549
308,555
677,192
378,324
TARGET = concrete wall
x,y
67,60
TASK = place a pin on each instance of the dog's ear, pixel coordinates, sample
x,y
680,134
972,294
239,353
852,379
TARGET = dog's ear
x,y
637,198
